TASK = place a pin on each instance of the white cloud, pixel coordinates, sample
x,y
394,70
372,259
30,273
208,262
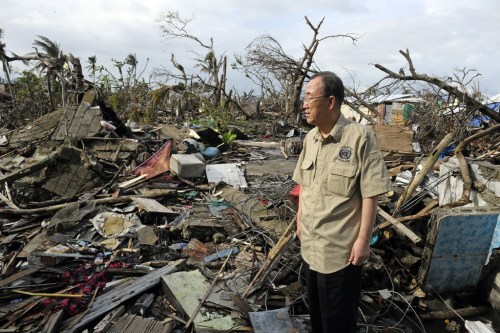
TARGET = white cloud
x,y
440,35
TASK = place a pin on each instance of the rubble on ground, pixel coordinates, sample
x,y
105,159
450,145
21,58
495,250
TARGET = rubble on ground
x,y
165,228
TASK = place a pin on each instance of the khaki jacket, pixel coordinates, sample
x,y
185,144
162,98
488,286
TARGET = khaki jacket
x,y
335,174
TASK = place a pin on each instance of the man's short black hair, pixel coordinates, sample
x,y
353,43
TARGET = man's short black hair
x,y
332,86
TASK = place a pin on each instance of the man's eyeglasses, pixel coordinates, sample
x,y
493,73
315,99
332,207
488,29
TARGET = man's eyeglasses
x,y
309,99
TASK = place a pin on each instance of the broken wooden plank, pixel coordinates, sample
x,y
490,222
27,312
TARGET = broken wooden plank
x,y
258,144
272,258
8,201
152,206
427,211
400,227
52,325
122,323
11,264
131,182
103,201
142,304
242,305
11,309
394,138
20,275
130,323
456,313
8,239
104,325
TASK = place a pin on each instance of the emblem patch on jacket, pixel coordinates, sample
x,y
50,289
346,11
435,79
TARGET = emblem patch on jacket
x,y
345,153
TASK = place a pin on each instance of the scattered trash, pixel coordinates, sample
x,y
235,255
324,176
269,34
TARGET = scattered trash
x,y
172,229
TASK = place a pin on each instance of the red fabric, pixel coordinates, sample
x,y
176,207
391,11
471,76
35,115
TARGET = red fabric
x,y
156,164
86,281
295,194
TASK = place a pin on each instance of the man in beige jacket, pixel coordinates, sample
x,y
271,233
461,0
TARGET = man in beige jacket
x,y
341,172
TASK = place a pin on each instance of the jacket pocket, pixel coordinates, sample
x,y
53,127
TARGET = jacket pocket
x,y
307,168
342,180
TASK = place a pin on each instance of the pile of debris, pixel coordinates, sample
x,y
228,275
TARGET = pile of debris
x,y
109,227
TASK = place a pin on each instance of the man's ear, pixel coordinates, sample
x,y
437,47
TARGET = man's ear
x,y
331,102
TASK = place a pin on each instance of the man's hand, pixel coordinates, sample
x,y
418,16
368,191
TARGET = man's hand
x,y
299,226
299,214
361,248
360,252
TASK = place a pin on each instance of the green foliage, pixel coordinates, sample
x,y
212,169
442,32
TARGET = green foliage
x,y
30,94
205,121
229,138
220,115
118,101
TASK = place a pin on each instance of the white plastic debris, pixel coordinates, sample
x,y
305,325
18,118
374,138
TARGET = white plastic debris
x,y
478,327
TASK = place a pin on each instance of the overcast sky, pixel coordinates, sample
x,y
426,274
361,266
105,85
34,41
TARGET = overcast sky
x,y
442,35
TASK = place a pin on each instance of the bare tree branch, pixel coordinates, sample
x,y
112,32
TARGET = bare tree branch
x,y
462,95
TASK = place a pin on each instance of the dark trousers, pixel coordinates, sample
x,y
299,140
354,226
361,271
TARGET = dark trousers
x,y
333,299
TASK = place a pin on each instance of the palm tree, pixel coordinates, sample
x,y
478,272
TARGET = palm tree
x,y
131,60
92,66
52,61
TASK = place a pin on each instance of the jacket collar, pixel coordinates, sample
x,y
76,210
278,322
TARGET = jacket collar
x,y
337,130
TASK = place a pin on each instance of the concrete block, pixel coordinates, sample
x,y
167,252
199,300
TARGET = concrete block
x,y
185,290
186,166
459,242
228,173
271,321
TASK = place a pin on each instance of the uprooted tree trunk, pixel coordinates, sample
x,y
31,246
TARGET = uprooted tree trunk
x,y
462,95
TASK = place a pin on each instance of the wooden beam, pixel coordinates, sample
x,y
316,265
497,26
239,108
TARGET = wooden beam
x,y
427,211
400,227
103,201
52,325
8,201
19,275
456,313
272,258
109,320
